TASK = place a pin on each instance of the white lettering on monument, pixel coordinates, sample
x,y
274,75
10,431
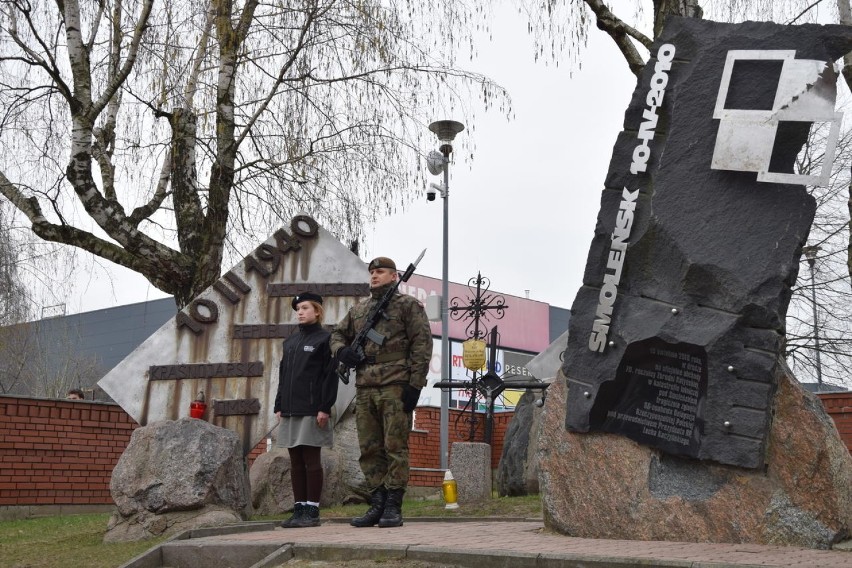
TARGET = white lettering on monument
x,y
654,99
617,252
624,219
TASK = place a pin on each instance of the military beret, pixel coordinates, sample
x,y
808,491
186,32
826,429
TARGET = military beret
x,y
381,262
306,297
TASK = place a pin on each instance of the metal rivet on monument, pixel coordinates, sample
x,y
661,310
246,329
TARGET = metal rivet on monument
x,y
675,311
730,368
727,424
612,343
587,394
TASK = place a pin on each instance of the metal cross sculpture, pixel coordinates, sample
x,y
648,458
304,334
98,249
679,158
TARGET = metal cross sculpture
x,y
481,306
489,386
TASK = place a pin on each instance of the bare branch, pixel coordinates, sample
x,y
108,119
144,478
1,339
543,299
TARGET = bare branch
x,y
621,33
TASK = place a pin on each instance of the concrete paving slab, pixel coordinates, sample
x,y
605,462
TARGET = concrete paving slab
x,y
523,544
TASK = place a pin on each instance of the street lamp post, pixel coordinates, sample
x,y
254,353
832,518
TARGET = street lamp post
x,y
446,131
810,254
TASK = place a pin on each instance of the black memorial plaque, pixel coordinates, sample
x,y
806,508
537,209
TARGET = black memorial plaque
x,y
657,396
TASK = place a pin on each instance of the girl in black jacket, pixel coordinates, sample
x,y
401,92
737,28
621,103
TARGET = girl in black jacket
x,y
307,389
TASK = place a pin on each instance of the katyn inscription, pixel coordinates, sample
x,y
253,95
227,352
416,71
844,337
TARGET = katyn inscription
x,y
677,332
237,407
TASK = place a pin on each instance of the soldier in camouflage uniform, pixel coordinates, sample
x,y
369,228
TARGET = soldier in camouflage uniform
x,y
388,382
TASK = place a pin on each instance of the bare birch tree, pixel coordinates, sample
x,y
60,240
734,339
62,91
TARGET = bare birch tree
x,y
162,135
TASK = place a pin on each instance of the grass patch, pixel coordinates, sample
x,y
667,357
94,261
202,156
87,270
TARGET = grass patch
x,y
71,540
74,541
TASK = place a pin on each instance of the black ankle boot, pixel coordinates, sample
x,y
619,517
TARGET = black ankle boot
x,y
297,513
310,517
374,513
392,516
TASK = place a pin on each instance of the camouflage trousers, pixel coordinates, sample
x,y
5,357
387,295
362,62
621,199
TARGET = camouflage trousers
x,y
383,429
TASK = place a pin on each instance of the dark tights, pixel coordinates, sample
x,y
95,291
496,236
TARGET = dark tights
x,y
306,473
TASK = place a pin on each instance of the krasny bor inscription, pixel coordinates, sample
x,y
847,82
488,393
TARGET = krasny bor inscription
x,y
205,371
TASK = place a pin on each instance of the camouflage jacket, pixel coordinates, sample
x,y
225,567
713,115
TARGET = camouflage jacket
x,y
408,340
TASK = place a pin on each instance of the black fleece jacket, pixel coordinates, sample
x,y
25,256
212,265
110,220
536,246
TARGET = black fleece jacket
x,y
307,382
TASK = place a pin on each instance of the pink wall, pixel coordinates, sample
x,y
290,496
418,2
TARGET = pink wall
x,y
525,325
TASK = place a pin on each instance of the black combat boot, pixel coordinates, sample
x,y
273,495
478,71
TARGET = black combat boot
x,y
309,518
297,513
374,513
392,517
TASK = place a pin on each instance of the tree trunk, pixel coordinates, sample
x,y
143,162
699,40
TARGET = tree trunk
x,y
665,8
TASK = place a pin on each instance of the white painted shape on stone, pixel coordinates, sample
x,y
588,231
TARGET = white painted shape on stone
x,y
720,111
806,92
747,145
320,260
798,87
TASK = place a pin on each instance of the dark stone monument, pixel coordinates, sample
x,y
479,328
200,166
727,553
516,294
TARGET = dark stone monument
x,y
683,422
675,334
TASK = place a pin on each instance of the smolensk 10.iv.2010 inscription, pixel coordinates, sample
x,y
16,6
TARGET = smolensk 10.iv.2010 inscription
x,y
657,396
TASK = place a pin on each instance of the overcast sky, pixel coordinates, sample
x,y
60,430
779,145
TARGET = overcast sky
x,y
523,210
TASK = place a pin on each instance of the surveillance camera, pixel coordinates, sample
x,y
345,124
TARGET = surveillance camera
x,y
432,191
539,402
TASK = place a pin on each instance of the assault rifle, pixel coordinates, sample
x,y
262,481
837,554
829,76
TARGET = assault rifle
x,y
377,312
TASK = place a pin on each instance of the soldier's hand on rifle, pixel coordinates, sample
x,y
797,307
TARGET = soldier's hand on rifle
x,y
350,356
410,396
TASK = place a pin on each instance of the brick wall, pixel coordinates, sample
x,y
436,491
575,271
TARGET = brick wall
x,y
56,452
60,452
425,441
839,407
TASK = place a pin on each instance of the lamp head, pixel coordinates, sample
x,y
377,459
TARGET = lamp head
x,y
810,253
446,131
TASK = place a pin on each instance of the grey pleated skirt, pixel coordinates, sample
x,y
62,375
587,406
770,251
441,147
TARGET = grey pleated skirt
x,y
303,431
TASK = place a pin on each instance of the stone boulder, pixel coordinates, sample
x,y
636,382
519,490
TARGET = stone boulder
x,y
271,489
600,485
517,472
175,475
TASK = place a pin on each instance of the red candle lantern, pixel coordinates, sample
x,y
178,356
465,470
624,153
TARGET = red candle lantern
x,y
198,407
